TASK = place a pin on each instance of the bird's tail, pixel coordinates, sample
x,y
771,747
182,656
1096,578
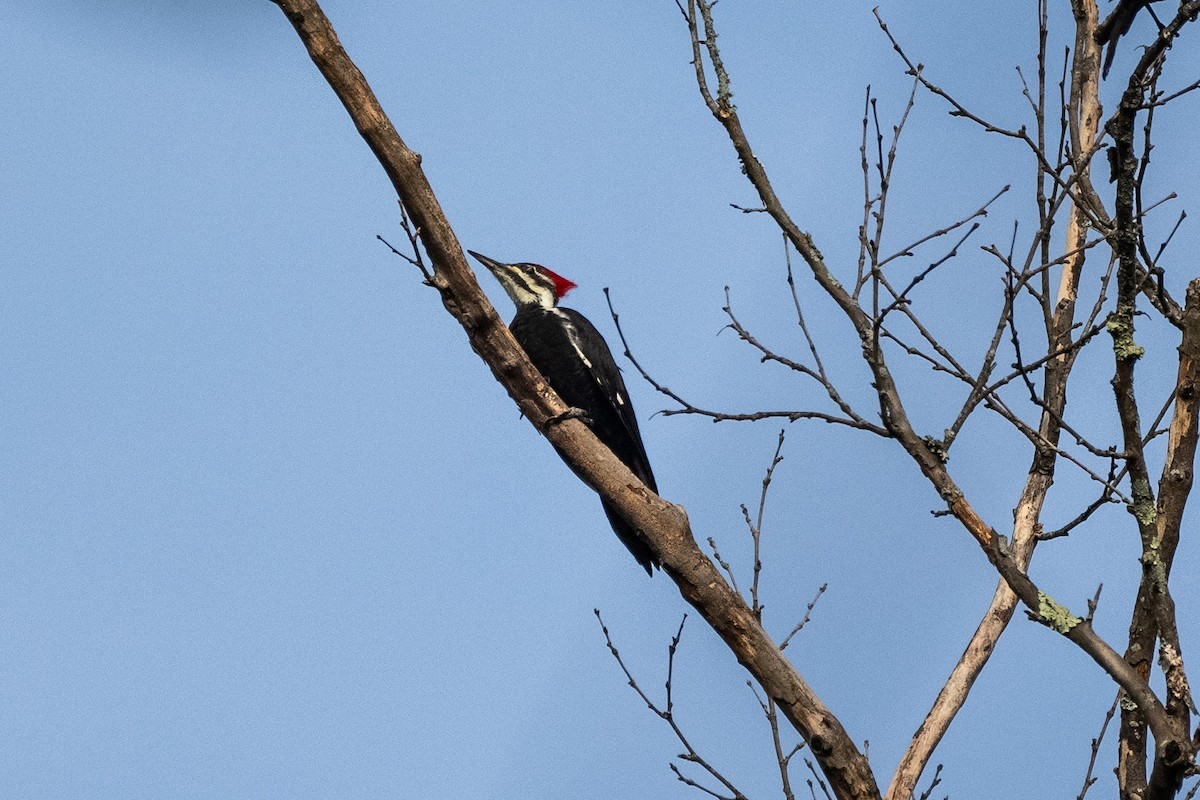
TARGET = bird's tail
x,y
630,537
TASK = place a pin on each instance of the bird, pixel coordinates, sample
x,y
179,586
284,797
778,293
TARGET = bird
x,y
575,360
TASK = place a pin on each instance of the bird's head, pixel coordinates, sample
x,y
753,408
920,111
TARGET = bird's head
x,y
528,284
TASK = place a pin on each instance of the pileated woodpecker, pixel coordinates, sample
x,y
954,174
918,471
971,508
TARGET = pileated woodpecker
x,y
575,360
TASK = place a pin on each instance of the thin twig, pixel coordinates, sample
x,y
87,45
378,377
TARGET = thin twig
x,y
805,619
782,759
667,714
712,542
937,778
718,416
756,527
413,233
1088,779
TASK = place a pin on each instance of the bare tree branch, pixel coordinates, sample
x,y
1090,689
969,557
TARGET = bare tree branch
x,y
1008,563
667,714
889,318
665,526
1154,608
1088,779
851,421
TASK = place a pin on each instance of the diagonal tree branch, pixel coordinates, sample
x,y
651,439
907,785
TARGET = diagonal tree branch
x,y
1153,615
665,526
1042,607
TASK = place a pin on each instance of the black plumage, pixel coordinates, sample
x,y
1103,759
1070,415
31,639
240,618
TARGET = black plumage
x,y
576,361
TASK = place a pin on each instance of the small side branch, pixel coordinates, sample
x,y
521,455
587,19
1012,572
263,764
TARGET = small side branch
x,y
686,407
667,714
414,243
1088,778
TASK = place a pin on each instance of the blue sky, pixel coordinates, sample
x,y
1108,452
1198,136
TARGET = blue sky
x,y
270,529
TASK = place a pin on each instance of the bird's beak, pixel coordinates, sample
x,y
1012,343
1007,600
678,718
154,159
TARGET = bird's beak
x,y
491,263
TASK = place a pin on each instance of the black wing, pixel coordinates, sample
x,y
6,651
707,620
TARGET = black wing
x,y
607,376
575,360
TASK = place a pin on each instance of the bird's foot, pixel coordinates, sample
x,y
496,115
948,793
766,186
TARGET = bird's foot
x,y
570,413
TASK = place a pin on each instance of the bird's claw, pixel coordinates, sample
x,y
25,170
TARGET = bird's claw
x,y
570,413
